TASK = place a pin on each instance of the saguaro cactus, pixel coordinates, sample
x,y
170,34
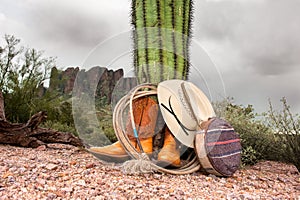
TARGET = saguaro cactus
x,y
162,30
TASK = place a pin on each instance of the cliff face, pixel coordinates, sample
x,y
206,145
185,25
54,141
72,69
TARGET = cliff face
x,y
98,81
69,76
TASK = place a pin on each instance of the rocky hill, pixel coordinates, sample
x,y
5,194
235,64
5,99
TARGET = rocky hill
x,y
98,81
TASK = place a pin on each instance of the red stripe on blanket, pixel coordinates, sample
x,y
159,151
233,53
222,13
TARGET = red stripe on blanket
x,y
222,142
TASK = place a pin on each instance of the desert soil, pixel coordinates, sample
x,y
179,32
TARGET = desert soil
x,y
66,172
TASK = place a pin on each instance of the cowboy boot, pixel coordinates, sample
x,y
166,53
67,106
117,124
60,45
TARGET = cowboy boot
x,y
145,116
169,155
145,113
147,145
112,153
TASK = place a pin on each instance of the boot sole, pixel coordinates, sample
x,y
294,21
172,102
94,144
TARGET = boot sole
x,y
163,163
111,158
114,158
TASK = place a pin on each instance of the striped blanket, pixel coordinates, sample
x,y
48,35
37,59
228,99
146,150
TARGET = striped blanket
x,y
218,148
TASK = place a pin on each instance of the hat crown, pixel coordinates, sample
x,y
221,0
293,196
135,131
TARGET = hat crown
x,y
190,120
184,107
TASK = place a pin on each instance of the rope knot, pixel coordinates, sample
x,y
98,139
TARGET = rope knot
x,y
142,165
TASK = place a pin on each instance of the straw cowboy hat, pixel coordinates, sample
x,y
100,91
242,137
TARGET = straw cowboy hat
x,y
184,106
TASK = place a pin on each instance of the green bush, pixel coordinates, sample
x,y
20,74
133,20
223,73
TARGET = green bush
x,y
22,74
60,127
104,115
286,129
256,138
250,156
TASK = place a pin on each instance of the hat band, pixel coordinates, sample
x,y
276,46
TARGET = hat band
x,y
171,111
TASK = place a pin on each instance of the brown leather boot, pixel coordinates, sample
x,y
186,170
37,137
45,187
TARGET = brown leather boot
x,y
147,145
112,153
169,155
145,111
145,114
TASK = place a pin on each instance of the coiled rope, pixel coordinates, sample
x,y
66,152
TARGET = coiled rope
x,y
140,162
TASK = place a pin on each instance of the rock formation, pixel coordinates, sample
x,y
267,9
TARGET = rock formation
x,y
98,81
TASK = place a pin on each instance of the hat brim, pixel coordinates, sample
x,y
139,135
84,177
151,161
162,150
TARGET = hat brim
x,y
183,107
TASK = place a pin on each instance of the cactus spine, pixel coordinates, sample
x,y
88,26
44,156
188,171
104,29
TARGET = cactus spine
x,y
161,39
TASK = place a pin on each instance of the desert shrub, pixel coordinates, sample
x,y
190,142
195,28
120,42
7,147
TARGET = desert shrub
x,y
286,130
97,131
104,115
256,138
22,74
249,156
58,108
60,127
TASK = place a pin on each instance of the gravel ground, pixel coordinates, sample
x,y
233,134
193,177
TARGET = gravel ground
x,y
66,172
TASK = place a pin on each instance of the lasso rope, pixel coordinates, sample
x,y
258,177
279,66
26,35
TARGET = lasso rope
x,y
140,162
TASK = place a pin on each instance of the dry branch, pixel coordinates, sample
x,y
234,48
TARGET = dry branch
x,y
30,134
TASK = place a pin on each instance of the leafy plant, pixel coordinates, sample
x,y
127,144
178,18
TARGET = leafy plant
x,y
249,156
286,127
22,74
257,138
60,127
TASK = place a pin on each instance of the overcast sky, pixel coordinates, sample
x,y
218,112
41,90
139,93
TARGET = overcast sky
x,y
255,44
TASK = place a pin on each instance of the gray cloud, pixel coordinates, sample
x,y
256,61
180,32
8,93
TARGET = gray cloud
x,y
68,29
254,43
256,46
65,24
265,33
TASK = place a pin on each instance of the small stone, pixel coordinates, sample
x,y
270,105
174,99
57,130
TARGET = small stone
x,y
62,174
297,187
73,162
171,190
229,180
7,174
90,165
51,166
157,176
282,179
67,189
262,179
11,179
81,183
208,178
163,186
51,196
253,177
140,191
239,179
58,161
41,181
245,196
41,148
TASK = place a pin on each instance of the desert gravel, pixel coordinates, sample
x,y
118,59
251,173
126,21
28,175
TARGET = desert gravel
x,y
66,172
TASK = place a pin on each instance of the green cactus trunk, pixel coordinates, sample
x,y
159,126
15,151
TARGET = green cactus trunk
x,y
162,30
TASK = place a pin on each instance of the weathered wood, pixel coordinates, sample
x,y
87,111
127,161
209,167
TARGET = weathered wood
x,y
29,134
25,137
